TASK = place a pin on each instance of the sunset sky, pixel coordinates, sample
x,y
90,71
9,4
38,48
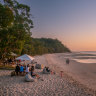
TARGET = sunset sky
x,y
73,22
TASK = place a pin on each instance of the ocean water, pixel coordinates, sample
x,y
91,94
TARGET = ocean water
x,y
88,52
85,57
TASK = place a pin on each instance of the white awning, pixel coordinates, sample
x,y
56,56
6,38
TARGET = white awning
x,y
25,57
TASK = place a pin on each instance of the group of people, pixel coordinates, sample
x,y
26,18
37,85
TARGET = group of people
x,y
28,72
20,69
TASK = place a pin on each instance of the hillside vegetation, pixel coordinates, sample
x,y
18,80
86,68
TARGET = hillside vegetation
x,y
43,45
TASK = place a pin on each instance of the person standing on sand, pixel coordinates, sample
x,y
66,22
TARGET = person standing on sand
x,y
21,69
32,71
67,61
17,70
32,67
27,69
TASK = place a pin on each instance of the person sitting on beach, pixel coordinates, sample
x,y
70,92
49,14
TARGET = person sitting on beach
x,y
17,69
33,74
28,78
21,69
46,70
27,69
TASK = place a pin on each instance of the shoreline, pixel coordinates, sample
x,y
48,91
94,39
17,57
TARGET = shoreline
x,y
85,74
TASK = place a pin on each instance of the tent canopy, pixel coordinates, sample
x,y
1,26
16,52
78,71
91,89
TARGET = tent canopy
x,y
25,57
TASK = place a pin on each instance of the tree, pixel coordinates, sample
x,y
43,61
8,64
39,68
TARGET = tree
x,y
6,16
13,34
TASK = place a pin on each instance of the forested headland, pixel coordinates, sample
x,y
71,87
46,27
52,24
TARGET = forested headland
x,y
15,32
43,45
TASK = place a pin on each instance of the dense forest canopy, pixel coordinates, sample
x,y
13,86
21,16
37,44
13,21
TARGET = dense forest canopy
x,y
43,45
15,34
15,26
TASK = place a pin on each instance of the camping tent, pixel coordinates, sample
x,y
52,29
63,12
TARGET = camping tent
x,y
25,57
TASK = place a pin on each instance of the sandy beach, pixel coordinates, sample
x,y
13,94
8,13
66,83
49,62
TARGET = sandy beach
x,y
84,73
78,79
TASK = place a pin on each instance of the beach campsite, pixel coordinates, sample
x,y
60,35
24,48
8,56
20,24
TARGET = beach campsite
x,y
47,48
